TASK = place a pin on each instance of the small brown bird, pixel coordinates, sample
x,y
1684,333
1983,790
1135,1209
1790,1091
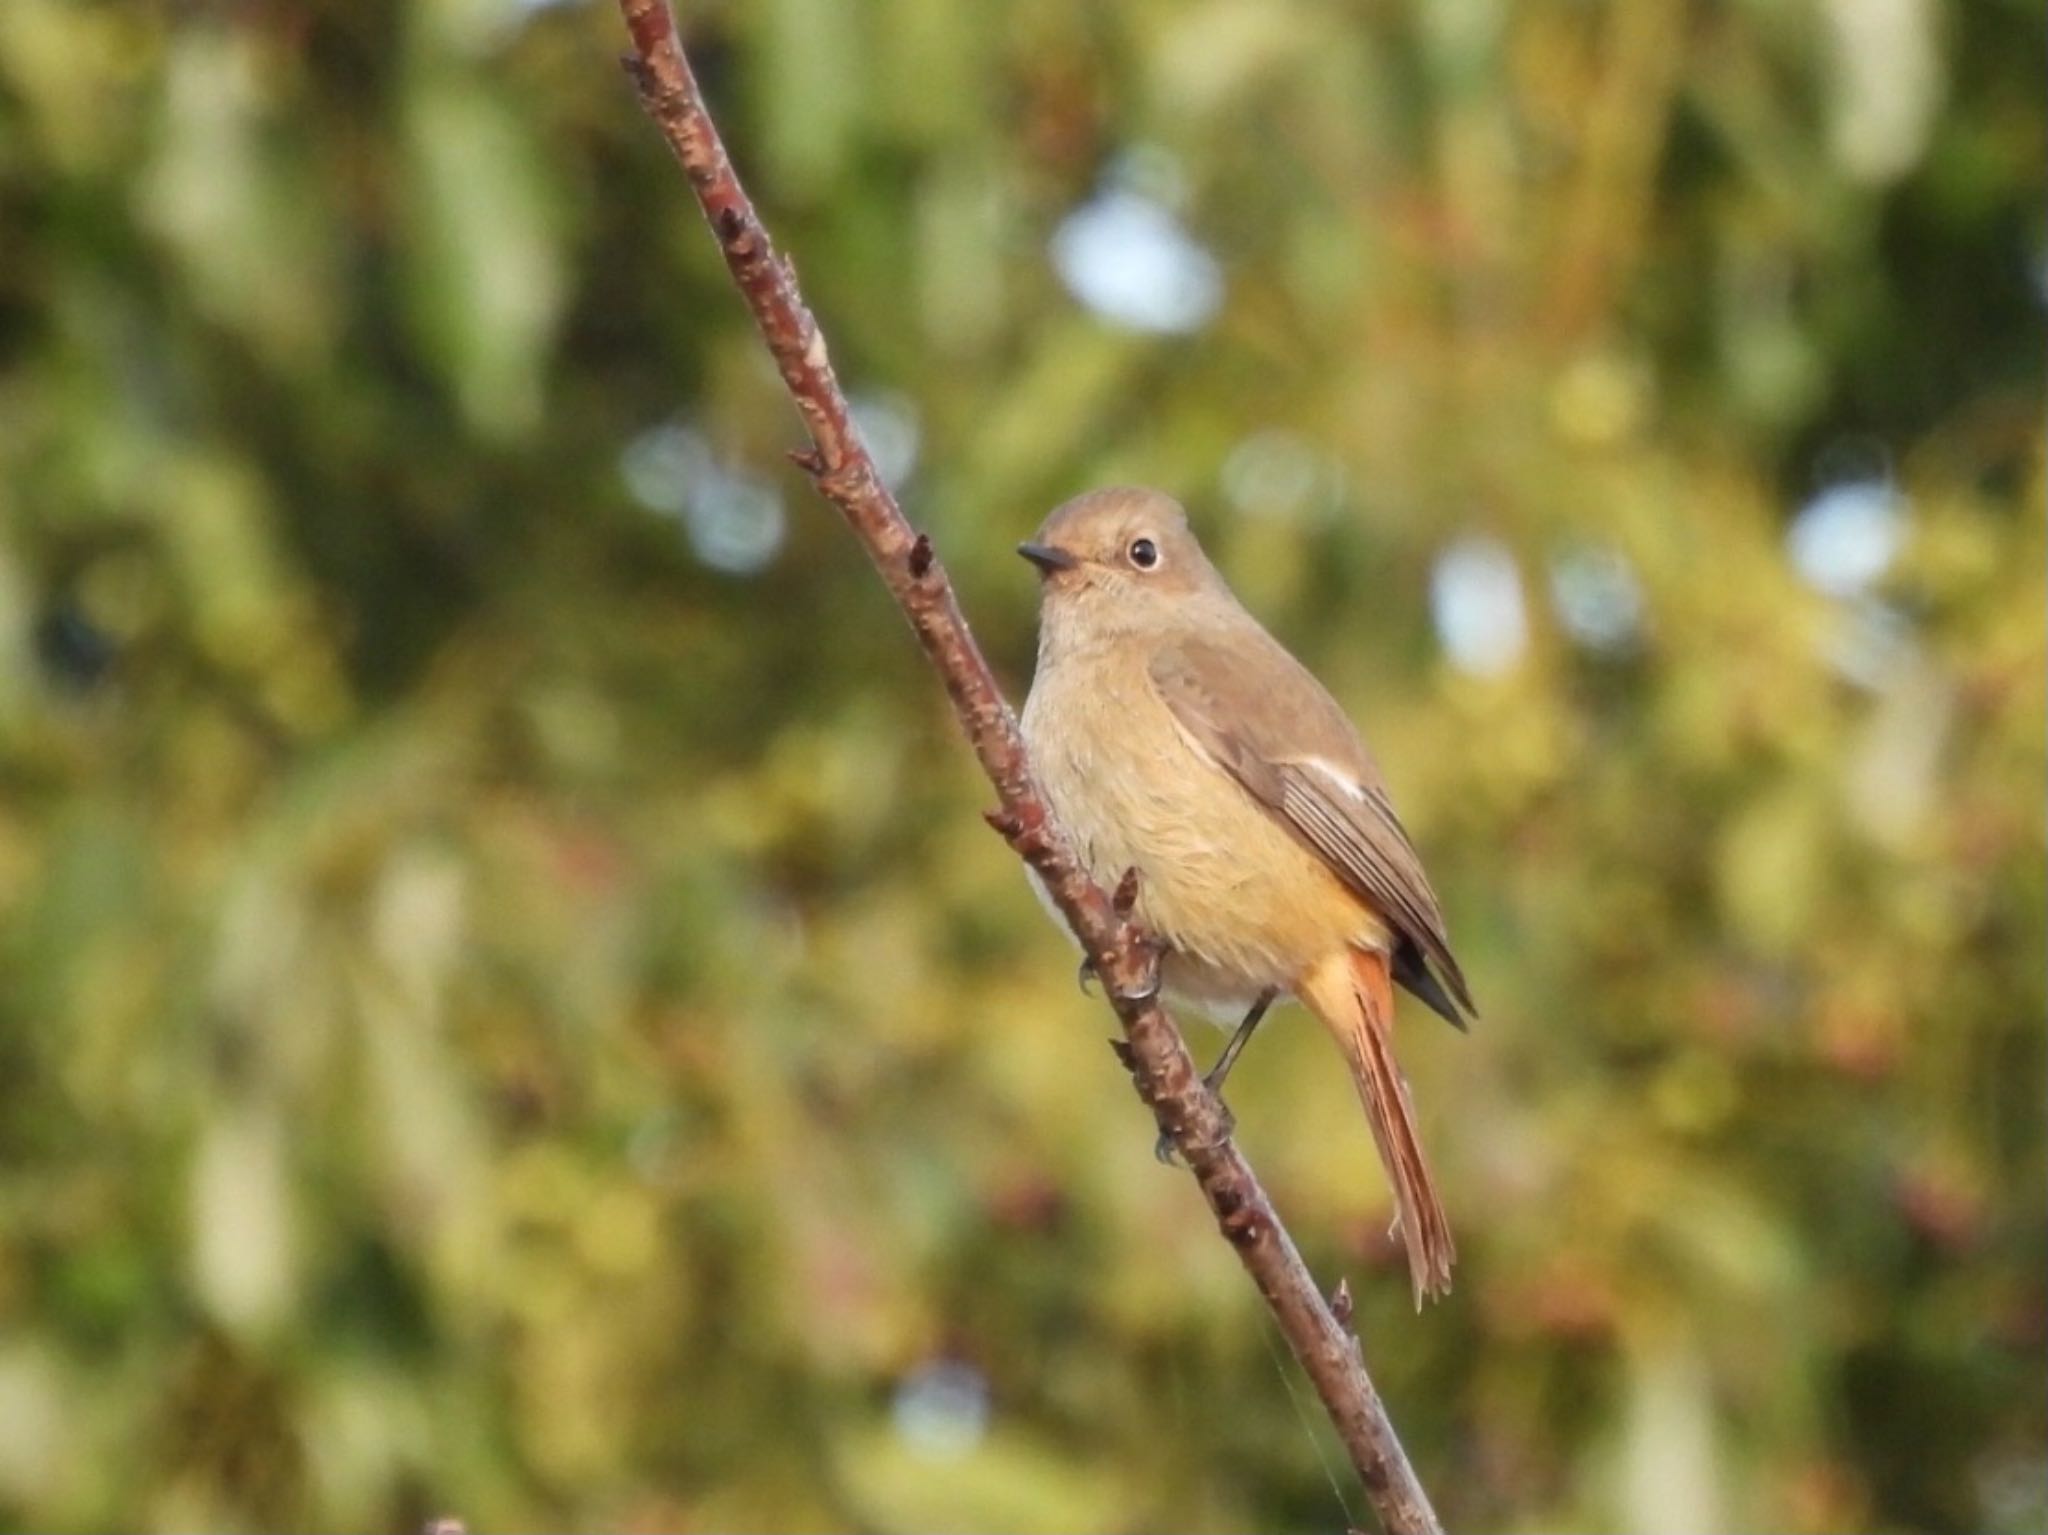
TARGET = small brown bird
x,y
1172,734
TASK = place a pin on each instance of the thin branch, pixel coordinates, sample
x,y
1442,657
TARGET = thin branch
x,y
1124,957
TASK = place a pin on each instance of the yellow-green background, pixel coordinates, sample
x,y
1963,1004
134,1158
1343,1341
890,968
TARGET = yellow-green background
x,y
500,1016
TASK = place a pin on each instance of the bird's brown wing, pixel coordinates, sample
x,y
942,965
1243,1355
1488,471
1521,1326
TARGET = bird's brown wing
x,y
1267,722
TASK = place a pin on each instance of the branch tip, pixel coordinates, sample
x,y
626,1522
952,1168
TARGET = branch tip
x,y
1340,1303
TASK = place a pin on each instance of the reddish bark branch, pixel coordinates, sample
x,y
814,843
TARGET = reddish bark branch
x,y
1122,954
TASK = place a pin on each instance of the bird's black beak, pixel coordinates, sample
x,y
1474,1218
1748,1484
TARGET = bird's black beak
x,y
1049,560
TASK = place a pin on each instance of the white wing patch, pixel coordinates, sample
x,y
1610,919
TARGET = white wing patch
x,y
1336,776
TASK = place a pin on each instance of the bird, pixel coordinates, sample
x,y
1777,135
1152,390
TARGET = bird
x,y
1171,734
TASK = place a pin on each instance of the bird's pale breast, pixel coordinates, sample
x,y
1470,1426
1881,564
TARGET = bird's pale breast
x,y
1244,905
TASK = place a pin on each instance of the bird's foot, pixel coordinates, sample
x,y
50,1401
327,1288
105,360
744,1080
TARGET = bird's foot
x,y
1089,975
1145,991
1168,1153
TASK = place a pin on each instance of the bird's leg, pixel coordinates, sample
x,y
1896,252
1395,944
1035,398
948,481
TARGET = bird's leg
x,y
1163,1149
1214,1080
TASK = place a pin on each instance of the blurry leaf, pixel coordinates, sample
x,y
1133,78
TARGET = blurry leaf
x,y
1007,1480
243,213
243,1262
1770,870
33,1404
66,64
1672,1465
1731,1241
17,628
812,63
215,523
1217,50
484,283
366,1428
963,215
928,78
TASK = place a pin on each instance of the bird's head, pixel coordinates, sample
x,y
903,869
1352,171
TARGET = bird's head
x,y
1119,559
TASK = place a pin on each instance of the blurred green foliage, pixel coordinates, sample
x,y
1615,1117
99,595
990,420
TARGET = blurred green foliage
x,y
509,1007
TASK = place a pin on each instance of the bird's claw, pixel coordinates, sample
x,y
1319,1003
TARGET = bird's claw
x,y
1145,993
1085,976
1167,1152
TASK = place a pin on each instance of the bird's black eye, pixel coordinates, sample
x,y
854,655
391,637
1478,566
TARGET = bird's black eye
x,y
1144,553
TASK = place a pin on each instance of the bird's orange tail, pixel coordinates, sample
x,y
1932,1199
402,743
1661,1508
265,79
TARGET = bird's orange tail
x,y
1354,994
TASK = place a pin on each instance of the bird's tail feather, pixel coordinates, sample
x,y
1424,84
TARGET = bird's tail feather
x,y
1354,996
